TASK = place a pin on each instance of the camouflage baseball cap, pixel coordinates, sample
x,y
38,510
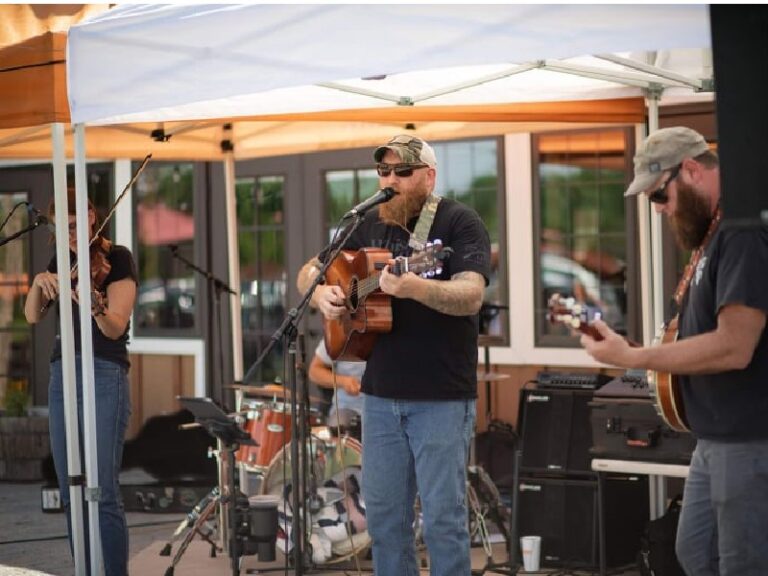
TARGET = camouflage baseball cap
x,y
410,149
663,150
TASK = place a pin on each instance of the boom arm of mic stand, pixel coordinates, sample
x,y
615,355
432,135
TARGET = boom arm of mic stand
x,y
35,224
218,284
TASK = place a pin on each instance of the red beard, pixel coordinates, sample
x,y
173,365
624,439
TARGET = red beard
x,y
403,207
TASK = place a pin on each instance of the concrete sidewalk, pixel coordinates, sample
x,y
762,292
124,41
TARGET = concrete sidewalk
x,y
33,542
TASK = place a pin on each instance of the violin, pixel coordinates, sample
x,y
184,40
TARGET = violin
x,y
100,266
99,248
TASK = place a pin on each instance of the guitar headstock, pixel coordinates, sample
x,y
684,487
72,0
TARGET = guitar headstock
x,y
428,263
574,314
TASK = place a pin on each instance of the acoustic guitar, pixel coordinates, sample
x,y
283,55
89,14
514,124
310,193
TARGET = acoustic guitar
x,y
664,387
369,310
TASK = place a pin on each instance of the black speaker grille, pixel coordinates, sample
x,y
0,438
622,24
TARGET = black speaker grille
x,y
564,513
556,432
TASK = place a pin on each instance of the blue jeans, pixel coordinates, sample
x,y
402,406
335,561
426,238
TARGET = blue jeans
x,y
113,408
723,529
411,446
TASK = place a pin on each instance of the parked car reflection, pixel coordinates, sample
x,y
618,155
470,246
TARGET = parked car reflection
x,y
562,275
166,303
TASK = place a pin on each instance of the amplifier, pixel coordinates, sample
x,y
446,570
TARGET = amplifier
x,y
162,497
576,380
142,497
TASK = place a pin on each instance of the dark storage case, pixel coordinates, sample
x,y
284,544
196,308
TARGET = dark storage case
x,y
631,429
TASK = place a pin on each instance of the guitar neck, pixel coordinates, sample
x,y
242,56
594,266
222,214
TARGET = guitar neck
x,y
368,285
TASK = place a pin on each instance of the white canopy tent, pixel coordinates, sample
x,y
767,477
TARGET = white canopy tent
x,y
195,67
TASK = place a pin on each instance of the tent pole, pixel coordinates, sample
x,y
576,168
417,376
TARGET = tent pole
x,y
657,261
66,330
92,490
233,252
237,331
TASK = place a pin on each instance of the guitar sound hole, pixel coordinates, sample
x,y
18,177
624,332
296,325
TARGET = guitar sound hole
x,y
352,300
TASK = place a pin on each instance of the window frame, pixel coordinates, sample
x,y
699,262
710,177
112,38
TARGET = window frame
x,y
633,315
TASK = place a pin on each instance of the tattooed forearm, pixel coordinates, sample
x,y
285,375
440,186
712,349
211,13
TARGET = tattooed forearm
x,y
461,296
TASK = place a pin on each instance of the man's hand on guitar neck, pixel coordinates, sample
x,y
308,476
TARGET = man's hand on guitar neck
x,y
406,285
611,349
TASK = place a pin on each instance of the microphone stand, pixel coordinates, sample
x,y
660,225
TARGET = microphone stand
x,y
288,330
38,221
219,287
225,469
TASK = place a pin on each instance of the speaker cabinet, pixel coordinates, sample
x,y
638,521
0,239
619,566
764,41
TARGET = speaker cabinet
x,y
564,512
556,432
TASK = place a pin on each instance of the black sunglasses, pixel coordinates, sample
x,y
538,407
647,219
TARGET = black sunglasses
x,y
401,170
660,196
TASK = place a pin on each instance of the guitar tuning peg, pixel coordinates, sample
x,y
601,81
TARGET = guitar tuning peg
x,y
438,271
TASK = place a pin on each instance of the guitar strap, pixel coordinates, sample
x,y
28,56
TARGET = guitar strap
x,y
690,268
418,240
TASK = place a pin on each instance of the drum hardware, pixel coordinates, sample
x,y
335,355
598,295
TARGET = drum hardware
x,y
484,487
273,391
295,369
251,530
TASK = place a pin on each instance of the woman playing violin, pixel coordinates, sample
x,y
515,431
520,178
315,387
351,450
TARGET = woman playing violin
x,y
114,283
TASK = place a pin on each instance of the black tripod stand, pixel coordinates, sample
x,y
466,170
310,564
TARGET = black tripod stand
x,y
219,425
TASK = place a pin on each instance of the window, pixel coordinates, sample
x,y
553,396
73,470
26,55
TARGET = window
x,y
261,235
165,226
469,172
345,189
580,226
15,333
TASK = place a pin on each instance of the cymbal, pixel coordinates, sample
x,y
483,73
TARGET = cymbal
x,y
270,391
491,376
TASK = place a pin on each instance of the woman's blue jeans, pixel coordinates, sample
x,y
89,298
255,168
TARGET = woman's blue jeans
x,y
113,408
411,446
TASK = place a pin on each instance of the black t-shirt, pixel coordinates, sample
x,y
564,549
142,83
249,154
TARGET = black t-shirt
x,y
733,270
105,348
428,355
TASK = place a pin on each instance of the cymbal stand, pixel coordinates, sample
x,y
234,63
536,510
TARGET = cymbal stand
x,y
289,331
511,566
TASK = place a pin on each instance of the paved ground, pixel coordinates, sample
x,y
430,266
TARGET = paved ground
x,y
34,543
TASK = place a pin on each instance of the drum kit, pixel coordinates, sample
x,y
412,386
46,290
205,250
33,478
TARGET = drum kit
x,y
335,509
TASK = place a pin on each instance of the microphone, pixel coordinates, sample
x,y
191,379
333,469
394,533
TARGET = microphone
x,y
173,248
383,195
35,213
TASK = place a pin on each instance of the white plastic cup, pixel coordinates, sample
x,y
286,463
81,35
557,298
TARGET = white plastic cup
x,y
531,547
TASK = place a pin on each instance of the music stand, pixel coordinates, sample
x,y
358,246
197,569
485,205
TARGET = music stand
x,y
219,425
